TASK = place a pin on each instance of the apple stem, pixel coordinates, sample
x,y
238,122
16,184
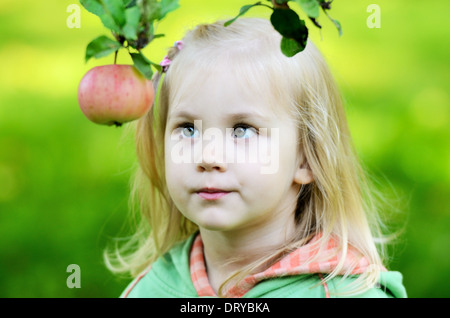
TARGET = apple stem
x,y
115,57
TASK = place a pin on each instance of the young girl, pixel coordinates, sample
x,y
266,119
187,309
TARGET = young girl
x,y
248,184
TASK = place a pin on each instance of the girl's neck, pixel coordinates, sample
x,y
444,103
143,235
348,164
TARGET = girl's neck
x,y
227,252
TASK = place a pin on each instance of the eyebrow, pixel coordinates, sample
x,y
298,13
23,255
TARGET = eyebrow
x,y
233,117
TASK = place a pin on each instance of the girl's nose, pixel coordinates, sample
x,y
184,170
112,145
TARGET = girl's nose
x,y
211,166
211,161
212,157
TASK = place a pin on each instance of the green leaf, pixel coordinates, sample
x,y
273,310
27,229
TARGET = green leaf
x,y
129,3
132,15
292,28
109,23
157,66
151,10
101,47
290,47
101,10
142,64
310,7
289,24
168,6
243,11
337,24
93,6
116,9
326,5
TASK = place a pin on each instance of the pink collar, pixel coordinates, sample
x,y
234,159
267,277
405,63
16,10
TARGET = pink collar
x,y
294,263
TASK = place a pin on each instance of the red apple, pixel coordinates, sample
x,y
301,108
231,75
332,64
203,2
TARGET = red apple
x,y
115,94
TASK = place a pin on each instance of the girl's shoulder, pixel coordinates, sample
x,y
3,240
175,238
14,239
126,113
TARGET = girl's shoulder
x,y
389,285
316,286
168,276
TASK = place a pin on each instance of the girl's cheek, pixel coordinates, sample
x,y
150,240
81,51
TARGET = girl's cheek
x,y
255,151
179,150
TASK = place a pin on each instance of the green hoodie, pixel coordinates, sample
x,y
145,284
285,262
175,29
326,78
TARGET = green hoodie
x,y
170,277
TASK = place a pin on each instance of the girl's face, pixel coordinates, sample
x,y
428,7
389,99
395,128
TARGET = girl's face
x,y
231,158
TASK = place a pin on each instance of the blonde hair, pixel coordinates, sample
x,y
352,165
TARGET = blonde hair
x,y
339,204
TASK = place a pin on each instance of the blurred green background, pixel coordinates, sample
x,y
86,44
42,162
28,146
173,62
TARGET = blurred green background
x,y
64,181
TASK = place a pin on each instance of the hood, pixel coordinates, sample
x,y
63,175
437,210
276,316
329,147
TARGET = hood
x,y
304,260
181,272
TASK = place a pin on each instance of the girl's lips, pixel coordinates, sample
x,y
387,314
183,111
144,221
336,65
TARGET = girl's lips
x,y
212,195
209,194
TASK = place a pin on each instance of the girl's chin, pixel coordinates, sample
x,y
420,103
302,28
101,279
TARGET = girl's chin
x,y
217,221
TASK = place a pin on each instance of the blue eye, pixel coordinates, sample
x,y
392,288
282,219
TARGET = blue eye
x,y
188,130
244,131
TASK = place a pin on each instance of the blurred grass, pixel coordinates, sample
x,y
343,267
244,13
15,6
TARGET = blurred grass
x,y
64,181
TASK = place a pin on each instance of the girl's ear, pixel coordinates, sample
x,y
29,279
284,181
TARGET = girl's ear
x,y
303,175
